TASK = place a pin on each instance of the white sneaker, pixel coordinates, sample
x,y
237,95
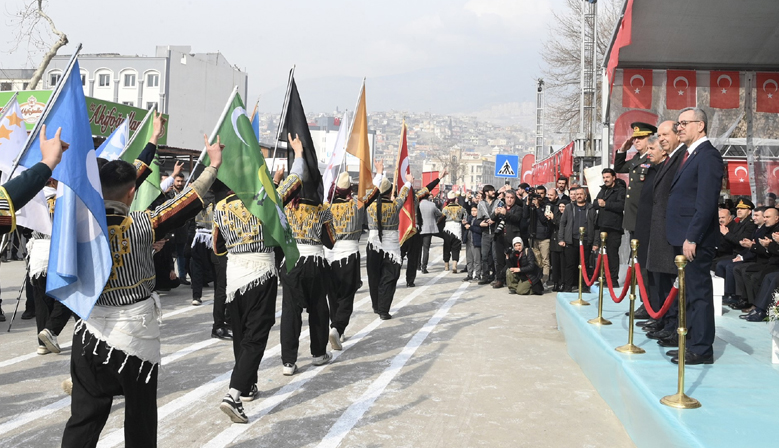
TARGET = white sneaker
x,y
320,360
196,302
343,337
289,369
50,340
335,339
67,386
42,350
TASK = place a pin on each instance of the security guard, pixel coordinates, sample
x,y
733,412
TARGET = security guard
x,y
638,168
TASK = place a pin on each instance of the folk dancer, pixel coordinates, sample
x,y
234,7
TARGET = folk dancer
x,y
453,231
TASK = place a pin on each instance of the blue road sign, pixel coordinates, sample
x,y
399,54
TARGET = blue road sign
x,y
506,165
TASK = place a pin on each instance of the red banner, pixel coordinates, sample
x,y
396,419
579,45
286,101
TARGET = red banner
x,y
407,226
680,89
624,38
768,92
548,170
526,174
724,88
637,89
738,178
428,177
772,172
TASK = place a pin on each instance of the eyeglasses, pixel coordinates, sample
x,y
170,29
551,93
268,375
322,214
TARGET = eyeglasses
x,y
683,124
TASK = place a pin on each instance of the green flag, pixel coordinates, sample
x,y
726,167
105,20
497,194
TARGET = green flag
x,y
140,139
244,170
149,189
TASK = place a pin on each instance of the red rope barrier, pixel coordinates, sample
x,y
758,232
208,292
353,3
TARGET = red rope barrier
x,y
644,297
626,286
588,281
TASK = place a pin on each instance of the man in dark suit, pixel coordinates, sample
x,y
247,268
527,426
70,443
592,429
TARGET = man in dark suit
x,y
660,265
637,167
692,228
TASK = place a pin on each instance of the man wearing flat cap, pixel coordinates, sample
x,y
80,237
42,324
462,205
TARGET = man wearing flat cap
x,y
637,167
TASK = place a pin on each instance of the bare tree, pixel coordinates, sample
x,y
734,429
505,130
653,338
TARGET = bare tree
x,y
562,55
28,19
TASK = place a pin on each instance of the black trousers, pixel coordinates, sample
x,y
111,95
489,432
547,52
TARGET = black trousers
x,y
660,285
345,279
201,268
499,248
487,256
252,314
700,300
426,240
221,319
571,260
452,247
383,274
50,313
412,251
304,287
556,259
95,384
766,294
613,242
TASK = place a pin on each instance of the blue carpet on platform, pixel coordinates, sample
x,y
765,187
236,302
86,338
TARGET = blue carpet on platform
x,y
739,393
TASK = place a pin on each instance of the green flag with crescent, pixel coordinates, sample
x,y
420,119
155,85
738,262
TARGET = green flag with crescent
x,y
244,170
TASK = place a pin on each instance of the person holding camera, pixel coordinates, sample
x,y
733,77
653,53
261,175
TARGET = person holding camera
x,y
508,216
610,204
522,276
472,235
538,215
484,220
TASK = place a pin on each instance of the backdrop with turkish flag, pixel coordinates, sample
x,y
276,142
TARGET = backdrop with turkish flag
x,y
527,168
407,225
559,163
768,92
637,89
724,88
738,178
680,89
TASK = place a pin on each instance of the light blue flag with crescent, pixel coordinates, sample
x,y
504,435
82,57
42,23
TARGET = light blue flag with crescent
x,y
256,125
113,146
80,257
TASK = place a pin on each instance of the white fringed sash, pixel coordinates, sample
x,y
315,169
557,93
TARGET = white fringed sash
x,y
39,256
245,271
389,243
341,250
455,228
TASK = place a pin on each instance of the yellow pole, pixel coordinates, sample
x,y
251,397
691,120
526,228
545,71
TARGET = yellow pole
x,y
680,400
580,301
629,347
601,280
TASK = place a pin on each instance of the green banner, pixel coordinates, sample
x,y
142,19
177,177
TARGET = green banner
x,y
104,116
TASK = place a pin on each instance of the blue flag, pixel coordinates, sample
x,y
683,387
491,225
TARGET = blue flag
x,y
80,257
114,145
256,126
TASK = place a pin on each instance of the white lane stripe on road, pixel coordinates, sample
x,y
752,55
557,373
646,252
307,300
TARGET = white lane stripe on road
x,y
256,413
354,413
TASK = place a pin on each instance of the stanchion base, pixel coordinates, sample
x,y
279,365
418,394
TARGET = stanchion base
x,y
580,302
680,401
630,348
599,321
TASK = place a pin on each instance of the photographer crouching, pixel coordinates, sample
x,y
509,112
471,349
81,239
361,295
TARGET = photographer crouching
x,y
522,276
508,216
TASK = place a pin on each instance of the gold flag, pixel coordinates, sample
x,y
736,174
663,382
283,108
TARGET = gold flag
x,y
358,145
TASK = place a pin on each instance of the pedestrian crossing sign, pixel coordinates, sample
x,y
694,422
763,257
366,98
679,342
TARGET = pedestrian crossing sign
x,y
506,165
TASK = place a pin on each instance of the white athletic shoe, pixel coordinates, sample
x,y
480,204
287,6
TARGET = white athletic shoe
x,y
320,360
50,340
335,339
42,350
289,369
67,386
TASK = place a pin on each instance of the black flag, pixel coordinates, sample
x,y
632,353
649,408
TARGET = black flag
x,y
295,123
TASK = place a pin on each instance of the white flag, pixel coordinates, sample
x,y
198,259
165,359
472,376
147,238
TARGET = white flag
x,y
336,156
13,136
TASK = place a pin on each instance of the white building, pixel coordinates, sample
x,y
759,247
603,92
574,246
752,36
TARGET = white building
x,y
190,87
15,79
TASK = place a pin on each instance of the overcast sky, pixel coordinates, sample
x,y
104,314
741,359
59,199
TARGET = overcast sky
x,y
443,55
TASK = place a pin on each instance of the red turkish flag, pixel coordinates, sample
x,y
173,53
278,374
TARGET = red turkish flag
x,y
738,178
407,226
526,175
680,89
567,164
772,172
725,90
637,89
768,92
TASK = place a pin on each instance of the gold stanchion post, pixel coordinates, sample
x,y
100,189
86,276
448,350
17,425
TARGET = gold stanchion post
x,y
601,283
680,400
629,347
580,301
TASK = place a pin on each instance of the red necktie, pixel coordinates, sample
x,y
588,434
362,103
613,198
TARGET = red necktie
x,y
684,158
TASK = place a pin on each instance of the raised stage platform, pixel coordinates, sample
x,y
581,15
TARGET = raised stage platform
x,y
739,393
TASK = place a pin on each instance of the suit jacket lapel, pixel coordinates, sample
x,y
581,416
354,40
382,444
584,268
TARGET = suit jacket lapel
x,y
671,163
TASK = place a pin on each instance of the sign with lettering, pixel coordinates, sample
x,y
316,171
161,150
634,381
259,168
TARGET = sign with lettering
x,y
104,116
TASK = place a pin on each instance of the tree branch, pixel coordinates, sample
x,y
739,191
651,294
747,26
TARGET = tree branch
x,y
51,52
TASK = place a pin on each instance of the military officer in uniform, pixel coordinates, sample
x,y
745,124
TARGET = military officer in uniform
x,y
637,167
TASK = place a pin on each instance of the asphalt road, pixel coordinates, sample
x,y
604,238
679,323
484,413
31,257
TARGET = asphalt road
x,y
459,365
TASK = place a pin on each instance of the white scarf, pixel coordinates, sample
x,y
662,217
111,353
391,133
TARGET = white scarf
x,y
245,271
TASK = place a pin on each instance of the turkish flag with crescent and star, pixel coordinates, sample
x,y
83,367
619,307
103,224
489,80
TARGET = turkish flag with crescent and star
x,y
527,168
772,172
724,90
680,91
738,178
768,92
637,89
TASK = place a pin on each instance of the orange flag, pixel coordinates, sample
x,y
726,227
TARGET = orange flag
x,y
358,144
